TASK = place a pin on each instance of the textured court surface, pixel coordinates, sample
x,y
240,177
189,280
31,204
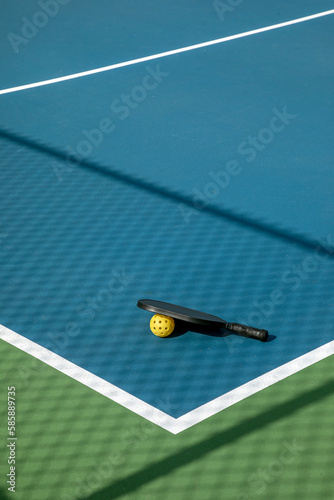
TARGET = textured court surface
x,y
91,247
203,179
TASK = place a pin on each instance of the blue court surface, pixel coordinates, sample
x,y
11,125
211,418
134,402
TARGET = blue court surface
x,y
202,178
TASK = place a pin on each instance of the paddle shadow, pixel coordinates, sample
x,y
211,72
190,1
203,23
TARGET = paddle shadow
x,y
182,327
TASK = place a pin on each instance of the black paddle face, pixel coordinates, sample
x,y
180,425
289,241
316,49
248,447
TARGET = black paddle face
x,y
181,313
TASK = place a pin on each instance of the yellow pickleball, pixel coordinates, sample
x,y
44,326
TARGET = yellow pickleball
x,y
162,326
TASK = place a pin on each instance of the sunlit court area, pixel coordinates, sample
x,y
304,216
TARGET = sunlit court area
x,y
166,250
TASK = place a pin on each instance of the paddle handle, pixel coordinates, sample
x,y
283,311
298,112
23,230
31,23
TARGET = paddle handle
x,y
248,331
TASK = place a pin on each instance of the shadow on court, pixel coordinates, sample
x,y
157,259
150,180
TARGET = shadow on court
x,y
112,173
3,495
198,451
182,327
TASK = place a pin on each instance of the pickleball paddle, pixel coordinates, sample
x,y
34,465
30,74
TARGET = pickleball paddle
x,y
200,318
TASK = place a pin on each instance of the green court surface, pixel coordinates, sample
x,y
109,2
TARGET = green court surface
x,y
73,443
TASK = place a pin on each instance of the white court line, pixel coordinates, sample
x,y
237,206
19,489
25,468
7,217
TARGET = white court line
x,y
166,54
86,378
158,417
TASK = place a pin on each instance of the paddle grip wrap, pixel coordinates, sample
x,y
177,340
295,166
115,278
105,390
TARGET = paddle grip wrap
x,y
248,331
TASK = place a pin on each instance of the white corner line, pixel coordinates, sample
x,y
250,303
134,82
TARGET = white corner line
x,y
168,53
88,379
252,387
158,417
